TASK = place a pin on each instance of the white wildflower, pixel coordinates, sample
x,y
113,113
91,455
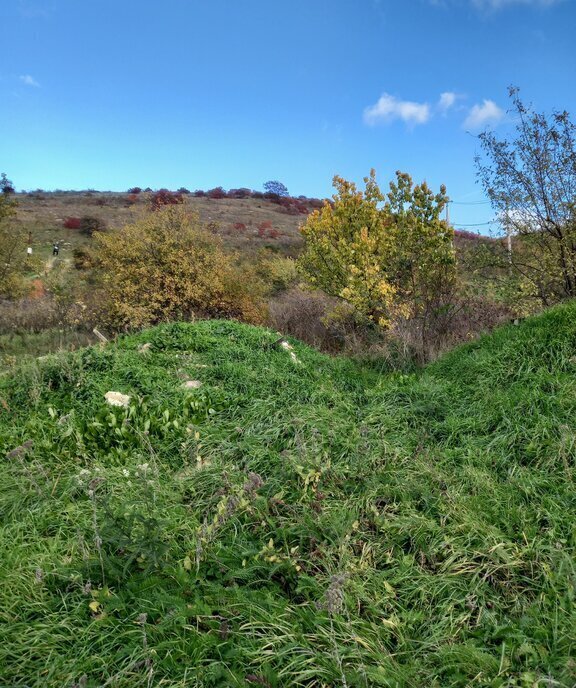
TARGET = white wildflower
x,y
117,399
125,472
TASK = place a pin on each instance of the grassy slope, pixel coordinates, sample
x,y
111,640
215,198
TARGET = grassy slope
x,y
327,526
43,216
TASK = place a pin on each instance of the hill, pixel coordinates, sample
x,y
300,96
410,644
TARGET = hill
x,y
245,223
251,514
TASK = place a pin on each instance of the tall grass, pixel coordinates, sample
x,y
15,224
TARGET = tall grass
x,y
290,523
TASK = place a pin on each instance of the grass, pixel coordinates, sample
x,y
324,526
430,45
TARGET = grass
x,y
18,347
310,523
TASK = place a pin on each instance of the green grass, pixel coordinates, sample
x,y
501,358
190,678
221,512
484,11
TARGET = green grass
x,y
310,523
18,347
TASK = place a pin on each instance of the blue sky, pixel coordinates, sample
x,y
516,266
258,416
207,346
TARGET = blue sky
x,y
109,94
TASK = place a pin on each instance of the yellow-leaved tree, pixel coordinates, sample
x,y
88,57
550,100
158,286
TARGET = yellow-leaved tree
x,y
167,266
390,257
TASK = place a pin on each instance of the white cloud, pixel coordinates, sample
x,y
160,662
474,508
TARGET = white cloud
x,y
447,100
388,108
29,80
481,115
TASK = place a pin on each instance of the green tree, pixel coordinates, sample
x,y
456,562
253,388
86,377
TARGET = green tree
x,y
531,182
390,257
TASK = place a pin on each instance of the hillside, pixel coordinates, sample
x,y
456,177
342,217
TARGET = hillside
x,y
246,223
292,520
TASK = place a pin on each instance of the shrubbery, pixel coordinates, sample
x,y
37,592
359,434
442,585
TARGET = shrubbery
x,y
168,266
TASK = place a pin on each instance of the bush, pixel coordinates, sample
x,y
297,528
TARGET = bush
x,y
277,272
199,193
72,223
164,197
239,193
167,266
183,190
216,193
83,259
89,225
135,190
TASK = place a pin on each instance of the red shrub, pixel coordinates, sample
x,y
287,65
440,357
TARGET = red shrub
x,y
165,197
240,226
72,223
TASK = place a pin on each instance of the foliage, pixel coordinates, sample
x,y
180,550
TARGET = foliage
x,y
14,260
276,188
308,523
390,262
72,223
168,266
279,273
88,225
6,186
164,197
216,193
531,182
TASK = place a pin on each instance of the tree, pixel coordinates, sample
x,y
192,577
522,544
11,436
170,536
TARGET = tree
x,y
276,188
167,266
531,182
390,257
6,185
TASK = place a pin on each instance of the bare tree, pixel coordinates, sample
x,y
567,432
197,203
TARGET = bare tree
x,y
531,181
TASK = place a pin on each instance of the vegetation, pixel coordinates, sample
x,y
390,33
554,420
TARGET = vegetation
x,y
531,182
14,260
276,188
388,261
167,266
296,520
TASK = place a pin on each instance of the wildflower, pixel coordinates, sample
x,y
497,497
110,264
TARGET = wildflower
x,y
125,472
117,399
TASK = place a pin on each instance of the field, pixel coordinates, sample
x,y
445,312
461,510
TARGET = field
x,y
260,515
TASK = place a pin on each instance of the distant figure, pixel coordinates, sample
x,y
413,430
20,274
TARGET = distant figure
x,y
29,250
55,249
